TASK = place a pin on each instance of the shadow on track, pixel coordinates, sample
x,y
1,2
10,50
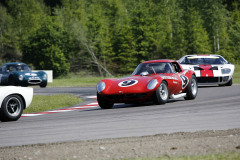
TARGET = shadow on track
x,y
135,105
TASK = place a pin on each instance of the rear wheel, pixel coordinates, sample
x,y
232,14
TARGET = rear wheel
x,y
192,89
11,108
161,95
103,103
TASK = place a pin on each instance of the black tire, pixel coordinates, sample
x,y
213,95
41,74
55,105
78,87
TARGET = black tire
x,y
161,95
11,82
192,88
103,103
25,85
229,83
43,85
11,108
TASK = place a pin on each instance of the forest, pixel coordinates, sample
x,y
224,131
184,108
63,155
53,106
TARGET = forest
x,y
111,37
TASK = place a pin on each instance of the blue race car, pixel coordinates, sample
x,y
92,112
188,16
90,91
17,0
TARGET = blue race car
x,y
19,74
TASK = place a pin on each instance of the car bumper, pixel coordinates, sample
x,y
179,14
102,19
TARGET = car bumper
x,y
128,98
213,80
32,82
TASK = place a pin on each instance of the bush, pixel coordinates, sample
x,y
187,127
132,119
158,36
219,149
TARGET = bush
x,y
49,49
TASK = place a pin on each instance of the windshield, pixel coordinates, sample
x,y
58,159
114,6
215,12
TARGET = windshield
x,y
203,60
21,68
153,68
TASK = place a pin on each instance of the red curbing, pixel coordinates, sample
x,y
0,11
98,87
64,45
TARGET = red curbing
x,y
87,106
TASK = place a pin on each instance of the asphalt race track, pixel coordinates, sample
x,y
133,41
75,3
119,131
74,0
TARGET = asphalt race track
x,y
215,108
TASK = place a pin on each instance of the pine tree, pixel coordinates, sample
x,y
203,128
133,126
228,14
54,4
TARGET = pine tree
x,y
170,40
234,33
196,35
49,48
28,16
143,27
8,47
216,22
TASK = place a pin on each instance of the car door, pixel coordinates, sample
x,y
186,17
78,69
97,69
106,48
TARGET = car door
x,y
4,74
172,79
180,76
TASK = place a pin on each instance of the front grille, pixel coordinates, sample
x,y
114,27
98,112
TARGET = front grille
x,y
126,96
36,81
207,79
212,79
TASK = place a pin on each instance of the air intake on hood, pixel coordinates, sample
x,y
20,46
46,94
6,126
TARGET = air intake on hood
x,y
197,68
214,68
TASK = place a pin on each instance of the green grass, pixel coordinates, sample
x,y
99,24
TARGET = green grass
x,y
45,103
236,75
75,82
80,79
221,156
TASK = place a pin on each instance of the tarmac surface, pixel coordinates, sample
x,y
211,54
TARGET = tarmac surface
x,y
215,108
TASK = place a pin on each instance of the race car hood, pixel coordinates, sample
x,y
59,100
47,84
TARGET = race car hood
x,y
28,74
211,70
128,85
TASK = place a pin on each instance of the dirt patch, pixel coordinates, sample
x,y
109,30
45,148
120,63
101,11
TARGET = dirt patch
x,y
197,143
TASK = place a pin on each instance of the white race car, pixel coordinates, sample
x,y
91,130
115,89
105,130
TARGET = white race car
x,y
13,101
209,69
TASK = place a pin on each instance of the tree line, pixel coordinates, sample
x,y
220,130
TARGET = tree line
x,y
110,37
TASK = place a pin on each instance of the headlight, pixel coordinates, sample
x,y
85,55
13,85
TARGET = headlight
x,y
152,84
101,86
20,77
45,76
226,71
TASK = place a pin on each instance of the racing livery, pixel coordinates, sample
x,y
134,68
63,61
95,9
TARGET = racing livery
x,y
209,69
13,100
155,80
20,74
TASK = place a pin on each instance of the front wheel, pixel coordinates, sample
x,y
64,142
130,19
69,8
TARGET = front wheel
x,y
11,108
161,94
43,85
103,103
192,89
229,83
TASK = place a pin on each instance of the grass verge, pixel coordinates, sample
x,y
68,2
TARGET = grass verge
x,y
45,102
236,75
221,156
75,82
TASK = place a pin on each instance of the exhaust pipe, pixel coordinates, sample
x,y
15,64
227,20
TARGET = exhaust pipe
x,y
173,96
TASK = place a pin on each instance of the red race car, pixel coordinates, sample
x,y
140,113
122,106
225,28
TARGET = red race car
x,y
155,80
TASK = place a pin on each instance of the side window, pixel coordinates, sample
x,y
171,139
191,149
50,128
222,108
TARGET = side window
x,y
176,67
173,68
3,69
168,68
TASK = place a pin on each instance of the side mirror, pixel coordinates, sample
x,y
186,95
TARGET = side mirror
x,y
144,74
229,63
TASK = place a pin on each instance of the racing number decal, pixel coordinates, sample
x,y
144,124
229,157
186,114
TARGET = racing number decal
x,y
185,81
128,83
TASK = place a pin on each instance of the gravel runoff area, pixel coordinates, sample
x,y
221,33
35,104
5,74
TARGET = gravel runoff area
x,y
176,144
